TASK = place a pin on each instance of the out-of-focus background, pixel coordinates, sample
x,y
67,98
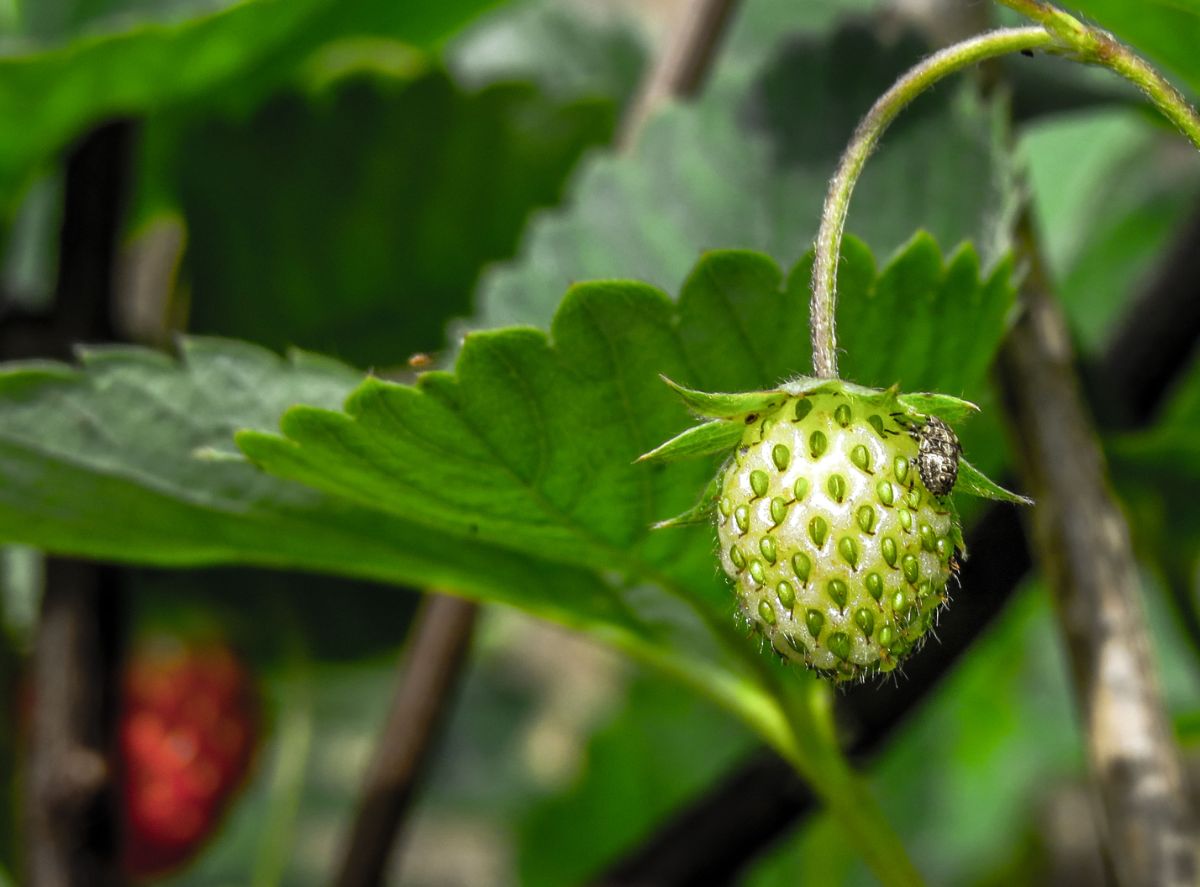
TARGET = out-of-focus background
x,y
369,180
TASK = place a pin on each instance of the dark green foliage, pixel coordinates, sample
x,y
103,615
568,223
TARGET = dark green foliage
x,y
356,222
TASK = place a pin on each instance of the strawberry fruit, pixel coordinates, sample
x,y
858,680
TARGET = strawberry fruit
x,y
833,515
187,729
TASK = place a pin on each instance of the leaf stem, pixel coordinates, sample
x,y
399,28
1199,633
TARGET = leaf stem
x,y
1056,31
837,202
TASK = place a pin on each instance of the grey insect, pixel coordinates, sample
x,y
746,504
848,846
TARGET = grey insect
x,y
937,456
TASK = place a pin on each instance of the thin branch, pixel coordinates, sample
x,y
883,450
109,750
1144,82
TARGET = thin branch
x,y
1084,550
70,838
69,806
429,671
682,68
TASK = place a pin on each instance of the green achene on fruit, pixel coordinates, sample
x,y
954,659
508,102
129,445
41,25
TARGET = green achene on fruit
x,y
839,552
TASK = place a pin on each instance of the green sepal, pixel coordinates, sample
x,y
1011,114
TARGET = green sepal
x,y
715,436
700,513
802,386
973,482
956,533
944,406
726,406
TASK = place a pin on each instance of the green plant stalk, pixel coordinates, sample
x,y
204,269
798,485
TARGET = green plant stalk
x,y
797,725
815,753
1056,32
295,731
793,714
886,108
1093,46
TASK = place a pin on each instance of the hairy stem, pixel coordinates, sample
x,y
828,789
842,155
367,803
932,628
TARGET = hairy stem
x,y
1056,31
837,202
1093,46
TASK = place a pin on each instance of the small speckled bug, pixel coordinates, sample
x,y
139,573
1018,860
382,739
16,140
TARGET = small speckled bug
x,y
937,456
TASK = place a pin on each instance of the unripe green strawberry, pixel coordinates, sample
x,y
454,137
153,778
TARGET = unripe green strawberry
x,y
839,553
833,515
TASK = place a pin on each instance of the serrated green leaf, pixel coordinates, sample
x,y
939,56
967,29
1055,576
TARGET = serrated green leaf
x,y
542,465
944,406
527,449
972,482
699,440
511,479
725,406
110,462
505,447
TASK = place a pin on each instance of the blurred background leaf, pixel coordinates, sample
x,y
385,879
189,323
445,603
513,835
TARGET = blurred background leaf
x,y
751,172
409,188
1108,193
71,64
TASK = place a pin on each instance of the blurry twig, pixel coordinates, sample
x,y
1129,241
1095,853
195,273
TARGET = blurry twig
x,y
1129,389
429,669
681,69
1084,549
71,839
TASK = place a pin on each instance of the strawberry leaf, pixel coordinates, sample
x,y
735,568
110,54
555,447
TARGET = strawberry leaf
x,y
131,458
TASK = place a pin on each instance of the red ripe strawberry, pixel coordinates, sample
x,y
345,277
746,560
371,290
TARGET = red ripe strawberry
x,y
188,726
